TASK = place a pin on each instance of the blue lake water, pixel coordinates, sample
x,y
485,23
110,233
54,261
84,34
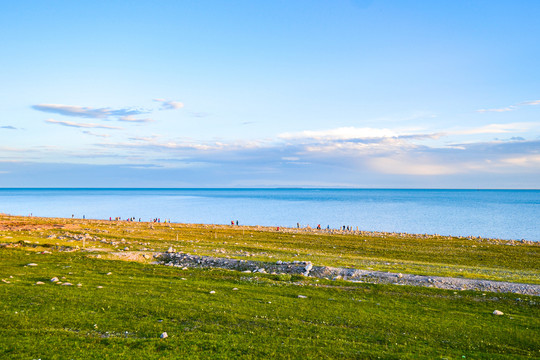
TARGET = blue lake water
x,y
505,214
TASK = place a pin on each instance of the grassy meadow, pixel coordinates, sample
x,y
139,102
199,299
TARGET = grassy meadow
x,y
119,309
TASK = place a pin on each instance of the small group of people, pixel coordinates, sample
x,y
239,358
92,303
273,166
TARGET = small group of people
x,y
232,222
319,227
155,220
118,218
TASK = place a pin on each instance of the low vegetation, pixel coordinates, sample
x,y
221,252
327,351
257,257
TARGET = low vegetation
x,y
118,308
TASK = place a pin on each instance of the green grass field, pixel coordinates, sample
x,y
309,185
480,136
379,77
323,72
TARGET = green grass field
x,y
121,308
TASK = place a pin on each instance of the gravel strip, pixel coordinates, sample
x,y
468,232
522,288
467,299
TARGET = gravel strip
x,y
373,277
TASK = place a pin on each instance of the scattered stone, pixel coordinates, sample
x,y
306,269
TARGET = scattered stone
x,y
146,256
79,285
67,284
400,275
247,271
126,248
235,289
55,279
4,280
308,266
302,296
170,250
109,273
212,292
497,312
164,335
32,264
100,287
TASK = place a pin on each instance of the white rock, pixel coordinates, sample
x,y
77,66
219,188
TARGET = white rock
x,y
109,273
126,248
247,271
302,296
79,284
164,335
55,279
100,287
31,264
308,266
497,312
170,250
67,284
212,292
400,275
40,283
235,289
146,256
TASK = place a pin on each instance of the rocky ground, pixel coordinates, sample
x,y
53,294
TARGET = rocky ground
x,y
306,268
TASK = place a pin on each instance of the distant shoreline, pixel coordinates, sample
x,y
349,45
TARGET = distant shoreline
x,y
282,229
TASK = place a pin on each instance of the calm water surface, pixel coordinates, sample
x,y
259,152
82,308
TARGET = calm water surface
x,y
505,214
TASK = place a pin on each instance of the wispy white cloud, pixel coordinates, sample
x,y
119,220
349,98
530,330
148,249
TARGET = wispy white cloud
x,y
131,118
523,161
169,104
81,125
533,102
87,112
497,128
343,133
87,132
509,108
407,165
144,138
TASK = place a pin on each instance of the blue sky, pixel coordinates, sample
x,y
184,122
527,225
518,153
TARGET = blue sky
x,y
344,93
